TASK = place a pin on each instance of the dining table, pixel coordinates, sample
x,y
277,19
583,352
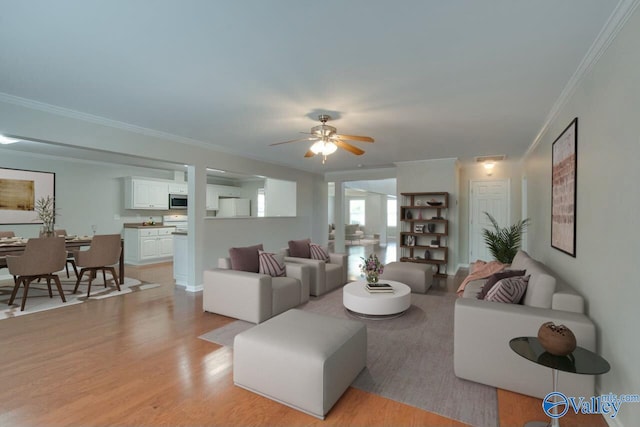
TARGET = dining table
x,y
16,245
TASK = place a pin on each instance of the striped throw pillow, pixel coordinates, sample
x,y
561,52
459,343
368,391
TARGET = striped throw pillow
x,y
509,290
271,264
318,252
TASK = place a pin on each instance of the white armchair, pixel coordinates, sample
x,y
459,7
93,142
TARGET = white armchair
x,y
253,297
325,276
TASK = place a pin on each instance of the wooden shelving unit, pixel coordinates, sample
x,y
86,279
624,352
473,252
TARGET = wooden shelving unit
x,y
425,229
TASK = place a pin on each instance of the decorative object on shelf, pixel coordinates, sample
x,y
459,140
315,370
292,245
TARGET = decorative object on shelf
x,y
46,212
418,202
408,215
431,228
419,228
427,254
371,268
434,202
556,339
437,217
411,241
435,242
420,214
504,242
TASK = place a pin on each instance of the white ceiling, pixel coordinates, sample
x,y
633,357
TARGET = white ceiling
x,y
426,78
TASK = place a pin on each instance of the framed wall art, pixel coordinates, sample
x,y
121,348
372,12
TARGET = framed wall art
x,y
564,176
19,190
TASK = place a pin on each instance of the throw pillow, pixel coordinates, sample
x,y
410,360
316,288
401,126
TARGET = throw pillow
x,y
245,259
494,278
300,248
509,290
271,264
318,252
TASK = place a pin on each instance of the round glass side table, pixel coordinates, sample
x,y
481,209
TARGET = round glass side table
x,y
580,361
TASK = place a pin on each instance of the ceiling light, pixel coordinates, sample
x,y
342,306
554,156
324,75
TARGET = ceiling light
x,y
6,140
324,147
489,167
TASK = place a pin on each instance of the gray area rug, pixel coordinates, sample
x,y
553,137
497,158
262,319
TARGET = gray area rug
x,y
38,296
409,359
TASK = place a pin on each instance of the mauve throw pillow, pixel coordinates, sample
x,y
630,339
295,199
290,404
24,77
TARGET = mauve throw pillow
x,y
300,248
494,278
245,259
509,290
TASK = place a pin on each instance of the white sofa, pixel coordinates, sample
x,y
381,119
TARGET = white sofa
x,y
325,276
482,330
253,297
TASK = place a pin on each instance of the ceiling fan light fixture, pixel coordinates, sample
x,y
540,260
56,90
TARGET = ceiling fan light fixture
x,y
324,147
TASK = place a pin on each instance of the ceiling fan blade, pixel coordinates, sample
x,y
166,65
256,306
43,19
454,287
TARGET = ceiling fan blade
x,y
350,148
294,140
309,154
355,138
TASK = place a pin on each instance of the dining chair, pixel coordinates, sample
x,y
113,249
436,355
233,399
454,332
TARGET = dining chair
x,y
3,259
103,254
40,260
70,255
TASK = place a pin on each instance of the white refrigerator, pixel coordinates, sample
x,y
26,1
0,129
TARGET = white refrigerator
x,y
234,207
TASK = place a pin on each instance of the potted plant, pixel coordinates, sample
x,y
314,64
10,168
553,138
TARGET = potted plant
x,y
46,211
504,242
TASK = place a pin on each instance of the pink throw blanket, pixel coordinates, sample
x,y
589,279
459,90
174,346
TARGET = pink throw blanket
x,y
480,270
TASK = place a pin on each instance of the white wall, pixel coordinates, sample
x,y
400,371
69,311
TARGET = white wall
x,y
605,269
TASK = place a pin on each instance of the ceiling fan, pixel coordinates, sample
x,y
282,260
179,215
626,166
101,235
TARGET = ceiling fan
x,y
328,141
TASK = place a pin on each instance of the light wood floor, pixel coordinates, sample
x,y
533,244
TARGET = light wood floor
x,y
135,360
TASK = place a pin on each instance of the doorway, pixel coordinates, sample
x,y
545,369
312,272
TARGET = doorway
x,y
490,196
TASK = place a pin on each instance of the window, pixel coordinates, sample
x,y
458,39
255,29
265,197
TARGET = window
x,y
392,212
356,211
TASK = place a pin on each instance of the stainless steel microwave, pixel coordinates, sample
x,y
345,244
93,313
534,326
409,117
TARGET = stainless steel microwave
x,y
177,201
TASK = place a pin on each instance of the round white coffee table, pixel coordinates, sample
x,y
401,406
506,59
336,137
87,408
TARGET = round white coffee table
x,y
362,303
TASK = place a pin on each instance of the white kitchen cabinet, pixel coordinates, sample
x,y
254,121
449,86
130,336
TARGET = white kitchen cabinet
x,y
234,207
145,194
148,245
212,197
228,191
178,188
215,192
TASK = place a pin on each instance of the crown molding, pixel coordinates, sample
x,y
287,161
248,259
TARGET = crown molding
x,y
73,114
102,121
612,27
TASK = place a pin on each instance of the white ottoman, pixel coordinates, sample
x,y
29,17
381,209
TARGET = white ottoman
x,y
301,359
418,277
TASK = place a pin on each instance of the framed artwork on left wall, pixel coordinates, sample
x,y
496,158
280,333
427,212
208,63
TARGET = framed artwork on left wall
x,y
19,190
564,177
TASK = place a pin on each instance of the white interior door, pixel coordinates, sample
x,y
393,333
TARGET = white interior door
x,y
486,196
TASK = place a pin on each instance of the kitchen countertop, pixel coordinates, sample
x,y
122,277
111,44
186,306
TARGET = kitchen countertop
x,y
139,225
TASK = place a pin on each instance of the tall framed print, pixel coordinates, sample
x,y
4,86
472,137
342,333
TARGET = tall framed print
x,y
19,190
564,182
